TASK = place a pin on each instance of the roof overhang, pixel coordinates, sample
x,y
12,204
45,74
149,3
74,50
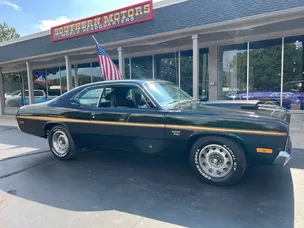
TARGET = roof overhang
x,y
248,26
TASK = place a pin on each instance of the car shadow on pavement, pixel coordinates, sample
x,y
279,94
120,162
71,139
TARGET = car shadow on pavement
x,y
158,188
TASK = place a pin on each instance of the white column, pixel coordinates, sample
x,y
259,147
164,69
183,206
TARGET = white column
x,y
68,68
213,73
2,112
30,82
195,66
76,74
121,61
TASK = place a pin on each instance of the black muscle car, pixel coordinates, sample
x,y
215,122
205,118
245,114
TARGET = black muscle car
x,y
155,116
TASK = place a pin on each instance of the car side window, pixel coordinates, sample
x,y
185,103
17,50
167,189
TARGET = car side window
x,y
105,100
125,97
90,97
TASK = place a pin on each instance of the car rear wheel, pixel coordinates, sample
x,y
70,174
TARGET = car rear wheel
x,y
61,143
217,160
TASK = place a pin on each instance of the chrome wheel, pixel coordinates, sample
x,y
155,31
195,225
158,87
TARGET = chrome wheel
x,y
60,143
215,160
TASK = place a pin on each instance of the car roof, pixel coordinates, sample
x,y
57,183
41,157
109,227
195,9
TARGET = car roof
x,y
123,81
139,82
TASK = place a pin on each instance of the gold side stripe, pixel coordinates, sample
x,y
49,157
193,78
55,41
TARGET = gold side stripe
x,y
171,126
69,120
195,128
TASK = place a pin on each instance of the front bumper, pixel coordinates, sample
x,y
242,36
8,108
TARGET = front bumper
x,y
284,156
282,159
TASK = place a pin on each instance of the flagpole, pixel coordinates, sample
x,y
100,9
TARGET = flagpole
x,y
95,39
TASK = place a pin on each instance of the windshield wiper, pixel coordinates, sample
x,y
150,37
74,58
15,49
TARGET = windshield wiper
x,y
180,101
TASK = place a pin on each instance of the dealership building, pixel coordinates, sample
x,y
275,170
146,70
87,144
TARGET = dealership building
x,y
213,50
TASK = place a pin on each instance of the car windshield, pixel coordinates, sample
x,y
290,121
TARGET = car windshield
x,y
167,93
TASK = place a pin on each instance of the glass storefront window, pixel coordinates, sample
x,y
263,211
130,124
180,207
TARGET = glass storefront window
x,y
53,83
166,67
264,70
141,67
13,93
127,68
63,79
186,68
40,86
96,72
233,71
84,74
293,84
115,61
186,74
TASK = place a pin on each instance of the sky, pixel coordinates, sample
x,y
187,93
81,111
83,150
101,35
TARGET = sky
x,y
31,16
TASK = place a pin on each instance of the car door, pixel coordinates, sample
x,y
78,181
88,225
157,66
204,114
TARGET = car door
x,y
126,127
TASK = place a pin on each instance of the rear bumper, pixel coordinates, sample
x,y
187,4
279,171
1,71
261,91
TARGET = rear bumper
x,y
282,159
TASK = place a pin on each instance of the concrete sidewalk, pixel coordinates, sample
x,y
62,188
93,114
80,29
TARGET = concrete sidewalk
x,y
8,120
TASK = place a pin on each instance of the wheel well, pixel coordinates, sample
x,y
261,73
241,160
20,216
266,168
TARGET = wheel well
x,y
233,138
48,127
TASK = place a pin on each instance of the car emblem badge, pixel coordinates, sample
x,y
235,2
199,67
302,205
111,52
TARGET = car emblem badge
x,y
176,133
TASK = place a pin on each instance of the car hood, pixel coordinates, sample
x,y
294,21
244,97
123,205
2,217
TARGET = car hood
x,y
198,108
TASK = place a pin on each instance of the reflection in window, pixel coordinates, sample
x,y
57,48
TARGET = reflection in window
x,y
53,82
40,86
13,89
63,79
141,67
233,70
127,68
90,97
166,67
264,69
84,73
293,86
186,68
96,72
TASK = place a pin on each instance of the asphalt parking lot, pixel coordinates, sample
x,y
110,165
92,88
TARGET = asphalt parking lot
x,y
118,189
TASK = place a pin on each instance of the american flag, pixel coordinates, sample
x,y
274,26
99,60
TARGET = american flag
x,y
41,79
107,67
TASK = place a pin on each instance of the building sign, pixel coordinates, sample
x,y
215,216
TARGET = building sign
x,y
129,15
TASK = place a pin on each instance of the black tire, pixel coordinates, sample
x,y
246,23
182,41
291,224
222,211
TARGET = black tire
x,y
71,150
226,150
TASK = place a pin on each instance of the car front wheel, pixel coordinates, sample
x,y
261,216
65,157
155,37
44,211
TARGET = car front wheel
x,y
61,143
217,160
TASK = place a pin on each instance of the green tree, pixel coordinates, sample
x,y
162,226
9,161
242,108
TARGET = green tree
x,y
7,32
11,80
265,68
